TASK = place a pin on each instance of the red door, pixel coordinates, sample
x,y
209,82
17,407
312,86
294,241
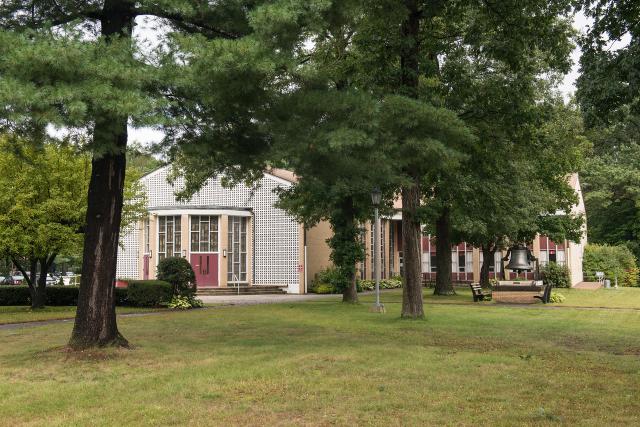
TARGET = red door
x,y
206,268
145,267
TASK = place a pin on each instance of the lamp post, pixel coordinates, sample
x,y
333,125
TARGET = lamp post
x,y
376,196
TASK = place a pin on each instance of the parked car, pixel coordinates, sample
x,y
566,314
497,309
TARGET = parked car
x,y
6,280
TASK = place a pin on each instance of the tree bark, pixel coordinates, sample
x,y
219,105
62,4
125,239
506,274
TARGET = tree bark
x,y
95,323
488,252
412,306
444,286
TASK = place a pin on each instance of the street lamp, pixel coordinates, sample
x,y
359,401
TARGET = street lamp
x,y
376,197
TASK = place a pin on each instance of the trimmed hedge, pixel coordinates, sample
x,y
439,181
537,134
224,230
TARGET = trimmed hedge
x,y
140,293
148,293
15,295
56,295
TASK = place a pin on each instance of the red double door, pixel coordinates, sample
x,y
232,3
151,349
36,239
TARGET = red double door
x,y
206,268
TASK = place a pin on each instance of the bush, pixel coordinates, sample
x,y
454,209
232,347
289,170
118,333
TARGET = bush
x,y
185,303
556,275
62,295
614,261
120,295
323,288
556,297
178,272
148,293
15,295
370,285
56,295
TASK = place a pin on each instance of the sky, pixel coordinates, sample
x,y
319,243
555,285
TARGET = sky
x,y
146,32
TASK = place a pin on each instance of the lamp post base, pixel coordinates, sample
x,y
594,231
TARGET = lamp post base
x,y
377,309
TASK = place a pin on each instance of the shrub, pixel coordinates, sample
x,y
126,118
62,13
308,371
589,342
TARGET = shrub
x,y
614,261
369,285
148,293
15,295
62,295
324,288
556,297
185,303
120,295
56,295
556,275
178,272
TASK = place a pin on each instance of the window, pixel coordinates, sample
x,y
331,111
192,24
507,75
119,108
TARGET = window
x,y
425,262
462,262
434,266
169,235
469,262
147,230
237,253
204,234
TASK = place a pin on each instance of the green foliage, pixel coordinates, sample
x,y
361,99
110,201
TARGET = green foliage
x,y
14,295
179,273
327,281
370,285
120,296
614,261
323,288
556,275
56,295
185,302
149,293
556,297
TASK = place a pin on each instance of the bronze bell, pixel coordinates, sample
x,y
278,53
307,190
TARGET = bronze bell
x,y
520,257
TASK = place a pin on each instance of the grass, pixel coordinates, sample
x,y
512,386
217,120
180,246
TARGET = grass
x,y
18,314
325,363
603,298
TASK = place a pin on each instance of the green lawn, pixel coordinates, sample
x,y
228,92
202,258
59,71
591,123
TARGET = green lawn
x,y
325,363
607,298
17,314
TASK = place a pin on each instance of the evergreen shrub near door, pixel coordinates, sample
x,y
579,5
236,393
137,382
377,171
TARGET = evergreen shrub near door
x,y
178,272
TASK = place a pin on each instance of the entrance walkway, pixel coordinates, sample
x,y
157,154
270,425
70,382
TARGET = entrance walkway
x,y
588,285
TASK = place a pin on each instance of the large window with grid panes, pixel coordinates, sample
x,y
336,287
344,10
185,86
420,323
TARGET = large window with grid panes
x,y
169,237
237,252
204,234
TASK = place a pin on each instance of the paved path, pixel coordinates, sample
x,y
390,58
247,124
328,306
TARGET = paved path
x,y
265,299
588,285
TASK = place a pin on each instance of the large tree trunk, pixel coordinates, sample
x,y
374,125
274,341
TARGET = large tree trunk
x,y
443,254
488,252
95,323
411,240
412,292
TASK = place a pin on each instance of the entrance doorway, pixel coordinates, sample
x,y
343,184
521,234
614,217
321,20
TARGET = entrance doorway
x,y
204,249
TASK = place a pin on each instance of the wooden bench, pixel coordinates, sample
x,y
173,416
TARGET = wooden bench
x,y
478,294
545,296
